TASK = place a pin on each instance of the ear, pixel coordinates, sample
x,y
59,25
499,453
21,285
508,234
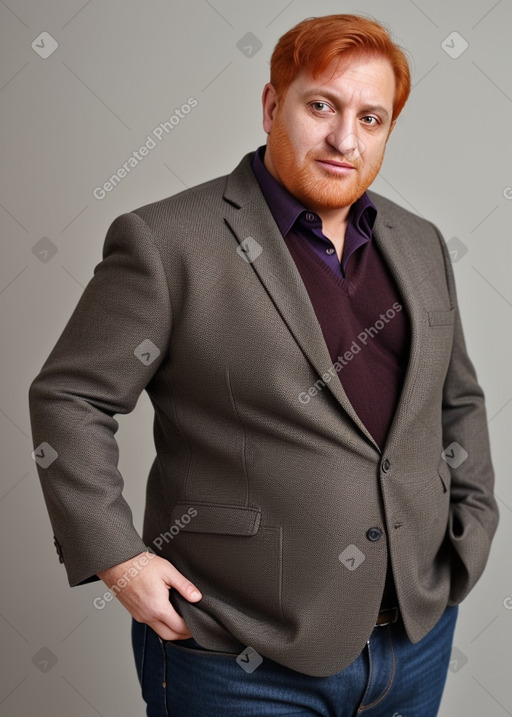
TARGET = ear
x,y
269,102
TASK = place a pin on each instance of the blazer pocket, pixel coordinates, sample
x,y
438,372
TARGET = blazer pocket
x,y
233,557
441,318
217,519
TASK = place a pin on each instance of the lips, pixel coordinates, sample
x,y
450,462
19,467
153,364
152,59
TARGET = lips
x,y
335,167
336,163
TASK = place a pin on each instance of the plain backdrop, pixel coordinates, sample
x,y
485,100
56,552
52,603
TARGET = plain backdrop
x,y
69,120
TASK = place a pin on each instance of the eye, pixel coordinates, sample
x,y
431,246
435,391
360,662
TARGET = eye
x,y
370,120
321,107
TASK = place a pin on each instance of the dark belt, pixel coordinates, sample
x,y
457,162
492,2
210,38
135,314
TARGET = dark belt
x,y
387,617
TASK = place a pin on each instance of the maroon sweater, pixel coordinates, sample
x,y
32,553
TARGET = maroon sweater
x,y
364,326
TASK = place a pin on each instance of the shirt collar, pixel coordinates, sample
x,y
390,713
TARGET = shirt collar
x,y
286,209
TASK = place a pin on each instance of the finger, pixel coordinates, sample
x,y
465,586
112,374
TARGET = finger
x,y
163,630
173,621
155,607
182,584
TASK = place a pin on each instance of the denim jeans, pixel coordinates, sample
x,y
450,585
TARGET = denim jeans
x,y
392,677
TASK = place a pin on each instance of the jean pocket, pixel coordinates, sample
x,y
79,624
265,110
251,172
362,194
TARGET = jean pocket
x,y
192,646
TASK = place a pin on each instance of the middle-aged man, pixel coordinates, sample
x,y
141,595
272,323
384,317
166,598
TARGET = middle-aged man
x,y
322,494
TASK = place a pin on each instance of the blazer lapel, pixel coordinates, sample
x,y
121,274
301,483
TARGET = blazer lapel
x,y
398,254
277,271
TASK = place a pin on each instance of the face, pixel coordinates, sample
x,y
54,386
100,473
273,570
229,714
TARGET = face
x,y
327,136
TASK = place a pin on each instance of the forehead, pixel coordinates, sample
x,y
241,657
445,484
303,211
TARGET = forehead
x,y
368,79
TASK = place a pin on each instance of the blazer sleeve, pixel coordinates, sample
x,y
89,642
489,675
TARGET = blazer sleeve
x,y
108,352
473,509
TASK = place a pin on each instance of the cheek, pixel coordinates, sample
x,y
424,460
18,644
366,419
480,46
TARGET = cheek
x,y
374,150
309,138
299,136
293,142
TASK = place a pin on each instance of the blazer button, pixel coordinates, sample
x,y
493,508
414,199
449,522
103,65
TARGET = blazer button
x,y
374,534
386,465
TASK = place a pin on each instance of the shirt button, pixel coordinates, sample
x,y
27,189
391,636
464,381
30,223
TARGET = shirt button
x,y
310,217
386,465
330,250
374,534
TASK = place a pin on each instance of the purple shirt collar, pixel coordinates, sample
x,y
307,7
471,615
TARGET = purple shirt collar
x,y
286,209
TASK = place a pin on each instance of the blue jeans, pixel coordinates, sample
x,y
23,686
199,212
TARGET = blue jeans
x,y
392,677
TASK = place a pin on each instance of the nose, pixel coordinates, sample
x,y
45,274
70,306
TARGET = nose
x,y
343,136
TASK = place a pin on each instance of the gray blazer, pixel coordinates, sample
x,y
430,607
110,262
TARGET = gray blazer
x,y
266,484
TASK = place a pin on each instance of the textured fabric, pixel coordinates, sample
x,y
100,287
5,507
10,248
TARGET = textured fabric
x,y
198,301
391,676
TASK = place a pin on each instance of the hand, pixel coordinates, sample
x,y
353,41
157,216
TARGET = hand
x,y
146,596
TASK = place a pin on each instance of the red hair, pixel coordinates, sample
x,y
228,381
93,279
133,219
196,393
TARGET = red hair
x,y
315,43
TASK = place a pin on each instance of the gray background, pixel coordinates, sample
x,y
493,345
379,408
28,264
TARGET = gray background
x,y
70,121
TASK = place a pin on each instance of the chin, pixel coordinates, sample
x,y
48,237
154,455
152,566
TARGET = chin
x,y
319,196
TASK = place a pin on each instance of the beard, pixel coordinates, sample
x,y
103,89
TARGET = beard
x,y
308,182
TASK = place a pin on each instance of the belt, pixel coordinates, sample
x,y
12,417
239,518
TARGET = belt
x,y
387,617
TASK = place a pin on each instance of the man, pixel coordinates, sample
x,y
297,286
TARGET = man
x,y
321,497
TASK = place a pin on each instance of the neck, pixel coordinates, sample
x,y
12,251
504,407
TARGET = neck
x,y
334,221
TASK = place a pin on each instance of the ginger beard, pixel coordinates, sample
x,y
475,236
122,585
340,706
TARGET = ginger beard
x,y
311,184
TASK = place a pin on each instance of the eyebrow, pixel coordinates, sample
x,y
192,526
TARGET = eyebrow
x,y
335,100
